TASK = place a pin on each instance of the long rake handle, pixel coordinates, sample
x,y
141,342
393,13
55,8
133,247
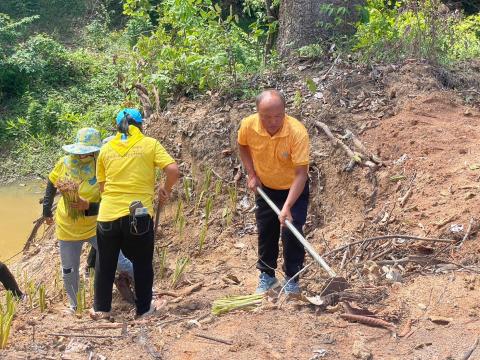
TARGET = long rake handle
x,y
299,236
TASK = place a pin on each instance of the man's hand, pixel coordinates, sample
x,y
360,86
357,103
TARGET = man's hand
x,y
253,182
81,204
163,195
49,220
285,214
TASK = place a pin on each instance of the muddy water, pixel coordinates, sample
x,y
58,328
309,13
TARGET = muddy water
x,y
19,207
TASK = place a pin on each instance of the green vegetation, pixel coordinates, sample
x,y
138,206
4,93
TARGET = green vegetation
x,y
180,267
49,88
42,298
7,312
70,64
390,31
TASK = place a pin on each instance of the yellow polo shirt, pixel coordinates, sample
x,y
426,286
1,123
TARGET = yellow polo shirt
x,y
275,157
128,170
84,227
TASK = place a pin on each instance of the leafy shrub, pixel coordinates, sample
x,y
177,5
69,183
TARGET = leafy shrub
x,y
194,49
42,58
136,27
419,29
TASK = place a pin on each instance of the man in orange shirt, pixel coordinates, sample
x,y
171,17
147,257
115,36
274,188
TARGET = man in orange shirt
x,y
274,149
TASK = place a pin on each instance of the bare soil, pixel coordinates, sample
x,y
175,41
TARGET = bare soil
x,y
426,137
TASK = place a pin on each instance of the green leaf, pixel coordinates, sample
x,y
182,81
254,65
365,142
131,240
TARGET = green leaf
x,y
312,87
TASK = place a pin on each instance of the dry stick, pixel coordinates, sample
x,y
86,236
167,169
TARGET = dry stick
x,y
383,253
406,329
403,200
157,99
227,342
369,321
85,335
415,259
184,292
342,264
99,326
469,352
469,230
383,237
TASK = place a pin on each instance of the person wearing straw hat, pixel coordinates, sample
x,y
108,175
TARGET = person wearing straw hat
x,y
78,165
126,173
274,150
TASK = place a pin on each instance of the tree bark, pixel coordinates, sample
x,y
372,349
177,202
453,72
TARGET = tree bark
x,y
300,23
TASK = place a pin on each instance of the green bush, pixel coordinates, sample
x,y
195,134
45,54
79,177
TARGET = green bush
x,y
194,49
136,27
417,29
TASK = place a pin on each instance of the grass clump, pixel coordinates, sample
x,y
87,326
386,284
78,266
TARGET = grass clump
x,y
180,267
7,312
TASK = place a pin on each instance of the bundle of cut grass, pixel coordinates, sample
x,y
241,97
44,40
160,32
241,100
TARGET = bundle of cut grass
x,y
69,190
230,303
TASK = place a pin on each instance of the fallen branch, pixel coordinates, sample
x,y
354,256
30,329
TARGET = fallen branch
x,y
369,321
223,341
354,156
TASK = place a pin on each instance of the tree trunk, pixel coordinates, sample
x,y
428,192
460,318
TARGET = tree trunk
x,y
300,22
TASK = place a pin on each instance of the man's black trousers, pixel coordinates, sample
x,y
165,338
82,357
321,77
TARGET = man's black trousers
x,y
269,231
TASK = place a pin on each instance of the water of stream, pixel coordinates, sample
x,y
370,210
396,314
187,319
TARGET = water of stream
x,y
19,207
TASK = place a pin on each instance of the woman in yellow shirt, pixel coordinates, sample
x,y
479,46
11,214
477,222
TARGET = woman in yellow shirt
x,y
126,174
79,165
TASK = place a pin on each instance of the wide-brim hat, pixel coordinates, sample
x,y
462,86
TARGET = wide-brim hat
x,y
87,141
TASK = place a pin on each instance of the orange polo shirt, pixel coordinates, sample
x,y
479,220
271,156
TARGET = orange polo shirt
x,y
275,157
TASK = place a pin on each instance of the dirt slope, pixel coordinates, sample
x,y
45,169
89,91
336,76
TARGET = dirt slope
x,y
404,115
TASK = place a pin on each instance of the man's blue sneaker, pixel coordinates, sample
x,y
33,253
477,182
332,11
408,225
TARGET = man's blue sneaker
x,y
292,286
265,283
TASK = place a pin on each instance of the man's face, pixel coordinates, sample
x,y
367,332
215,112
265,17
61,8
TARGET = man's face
x,y
272,115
